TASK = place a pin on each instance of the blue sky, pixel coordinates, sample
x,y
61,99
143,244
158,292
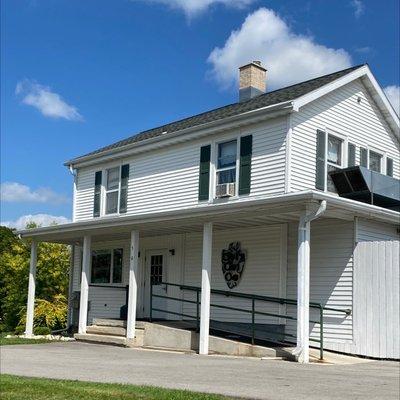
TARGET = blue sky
x,y
77,75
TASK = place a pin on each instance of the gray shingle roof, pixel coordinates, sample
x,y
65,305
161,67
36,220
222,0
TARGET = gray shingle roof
x,y
270,98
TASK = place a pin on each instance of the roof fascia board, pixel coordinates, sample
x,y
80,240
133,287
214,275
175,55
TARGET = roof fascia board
x,y
364,71
189,133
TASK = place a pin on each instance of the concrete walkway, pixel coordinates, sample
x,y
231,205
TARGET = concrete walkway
x,y
245,377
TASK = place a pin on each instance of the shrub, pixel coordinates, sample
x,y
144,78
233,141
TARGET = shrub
x,y
42,330
50,314
19,330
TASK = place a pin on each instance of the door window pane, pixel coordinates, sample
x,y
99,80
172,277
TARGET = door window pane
x,y
101,266
156,269
375,160
111,202
334,150
117,266
113,178
227,154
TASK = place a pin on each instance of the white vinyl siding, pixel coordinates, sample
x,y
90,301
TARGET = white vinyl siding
x,y
340,112
261,275
168,178
331,277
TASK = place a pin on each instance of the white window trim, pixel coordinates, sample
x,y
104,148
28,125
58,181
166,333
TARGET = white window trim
x,y
214,170
377,151
111,249
343,155
103,195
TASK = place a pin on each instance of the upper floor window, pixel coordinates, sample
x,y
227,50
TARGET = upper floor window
x,y
334,159
111,191
375,161
226,163
371,159
107,266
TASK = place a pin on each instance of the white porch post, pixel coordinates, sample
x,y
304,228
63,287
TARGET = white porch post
x,y
205,288
30,309
302,350
132,295
303,290
83,306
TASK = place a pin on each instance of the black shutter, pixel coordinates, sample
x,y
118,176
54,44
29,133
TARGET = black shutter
x,y
97,194
123,197
389,167
351,155
363,157
204,173
320,172
246,150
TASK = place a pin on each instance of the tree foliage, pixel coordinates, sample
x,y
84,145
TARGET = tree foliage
x,y
51,279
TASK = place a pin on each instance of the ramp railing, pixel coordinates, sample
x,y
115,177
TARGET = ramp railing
x,y
253,309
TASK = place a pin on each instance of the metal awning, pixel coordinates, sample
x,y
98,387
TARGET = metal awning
x,y
361,184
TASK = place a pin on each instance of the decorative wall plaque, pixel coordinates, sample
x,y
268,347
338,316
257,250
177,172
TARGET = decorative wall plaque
x,y
233,261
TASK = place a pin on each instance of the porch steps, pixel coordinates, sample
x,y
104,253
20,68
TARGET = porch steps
x,y
112,332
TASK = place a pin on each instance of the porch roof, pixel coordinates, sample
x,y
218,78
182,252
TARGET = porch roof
x,y
248,212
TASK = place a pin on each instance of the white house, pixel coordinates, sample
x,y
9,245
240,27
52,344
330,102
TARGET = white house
x,y
285,203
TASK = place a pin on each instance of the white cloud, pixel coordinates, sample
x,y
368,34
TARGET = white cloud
x,y
359,8
50,104
18,193
39,219
194,7
393,94
289,57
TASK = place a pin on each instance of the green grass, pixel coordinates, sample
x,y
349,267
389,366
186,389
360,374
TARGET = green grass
x,y
16,340
18,388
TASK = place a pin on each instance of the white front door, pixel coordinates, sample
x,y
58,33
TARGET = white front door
x,y
155,274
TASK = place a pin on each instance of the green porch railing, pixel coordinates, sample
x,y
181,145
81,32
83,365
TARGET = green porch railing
x,y
253,311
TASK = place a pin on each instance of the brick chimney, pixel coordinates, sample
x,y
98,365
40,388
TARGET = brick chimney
x,y
251,80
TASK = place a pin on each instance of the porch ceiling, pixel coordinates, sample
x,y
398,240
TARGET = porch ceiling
x,y
247,213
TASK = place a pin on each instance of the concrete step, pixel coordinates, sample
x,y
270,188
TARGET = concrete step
x,y
109,322
106,330
103,339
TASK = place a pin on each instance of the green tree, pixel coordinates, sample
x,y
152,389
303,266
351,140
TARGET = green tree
x,y
51,278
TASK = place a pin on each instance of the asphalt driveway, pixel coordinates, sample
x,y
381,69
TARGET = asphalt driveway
x,y
245,377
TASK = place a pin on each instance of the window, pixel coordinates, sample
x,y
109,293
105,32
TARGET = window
x,y
115,193
226,163
112,190
156,269
375,161
371,159
107,266
334,159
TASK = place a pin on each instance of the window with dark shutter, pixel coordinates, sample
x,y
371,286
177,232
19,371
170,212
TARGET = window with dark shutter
x,y
389,167
351,155
246,149
97,193
123,197
204,172
320,167
363,157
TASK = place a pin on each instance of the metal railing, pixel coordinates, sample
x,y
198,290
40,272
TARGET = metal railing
x,y
253,311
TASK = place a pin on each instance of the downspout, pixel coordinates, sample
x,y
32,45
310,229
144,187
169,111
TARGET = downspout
x,y
303,283
72,170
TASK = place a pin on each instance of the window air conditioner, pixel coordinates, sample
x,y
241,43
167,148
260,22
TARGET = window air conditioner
x,y
225,190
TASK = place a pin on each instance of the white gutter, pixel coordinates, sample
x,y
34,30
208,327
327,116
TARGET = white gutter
x,y
198,129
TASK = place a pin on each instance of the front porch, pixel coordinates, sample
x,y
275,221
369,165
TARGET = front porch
x,y
271,300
